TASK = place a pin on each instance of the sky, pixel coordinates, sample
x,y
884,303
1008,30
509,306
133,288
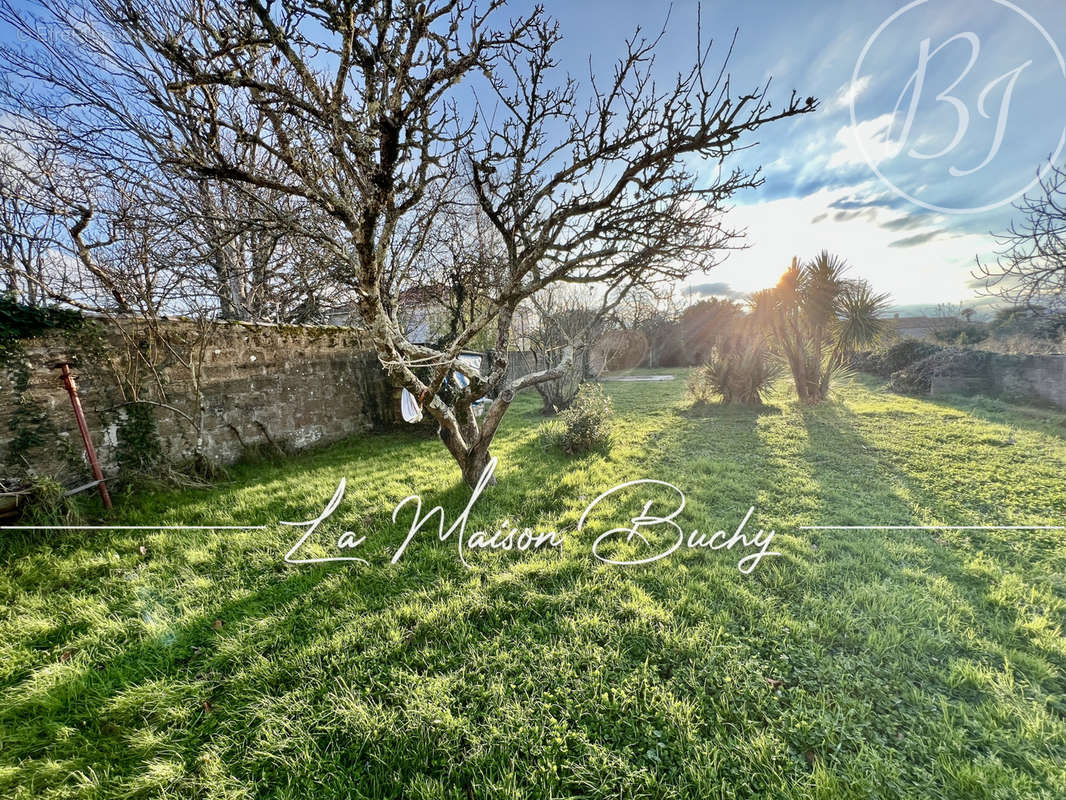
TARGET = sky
x,y
954,130
934,115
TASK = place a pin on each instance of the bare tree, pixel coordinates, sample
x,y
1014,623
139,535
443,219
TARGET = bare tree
x,y
656,315
1030,269
610,202
457,265
91,150
25,235
376,115
568,318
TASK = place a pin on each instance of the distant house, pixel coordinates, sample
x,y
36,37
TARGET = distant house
x,y
920,327
421,312
345,315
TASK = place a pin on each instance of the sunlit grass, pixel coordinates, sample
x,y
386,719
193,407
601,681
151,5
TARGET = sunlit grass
x,y
889,664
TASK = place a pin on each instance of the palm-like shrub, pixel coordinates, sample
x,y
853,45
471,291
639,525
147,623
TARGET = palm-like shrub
x,y
815,318
741,370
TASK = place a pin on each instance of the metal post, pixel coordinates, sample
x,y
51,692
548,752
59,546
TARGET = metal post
x,y
79,415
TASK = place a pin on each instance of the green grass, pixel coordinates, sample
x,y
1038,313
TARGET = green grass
x,y
855,664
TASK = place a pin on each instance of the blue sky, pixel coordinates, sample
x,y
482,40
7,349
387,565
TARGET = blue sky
x,y
820,189
897,228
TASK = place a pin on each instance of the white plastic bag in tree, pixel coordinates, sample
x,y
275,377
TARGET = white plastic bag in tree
x,y
409,407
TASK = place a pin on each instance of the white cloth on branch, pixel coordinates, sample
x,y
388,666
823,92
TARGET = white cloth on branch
x,y
412,412
409,407
471,360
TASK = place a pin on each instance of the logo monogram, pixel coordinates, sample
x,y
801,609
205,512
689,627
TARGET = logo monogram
x,y
917,83
933,92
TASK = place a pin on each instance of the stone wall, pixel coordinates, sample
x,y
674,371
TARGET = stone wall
x,y
264,387
1019,377
291,387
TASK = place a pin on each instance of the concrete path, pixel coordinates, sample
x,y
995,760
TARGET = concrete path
x,y
639,378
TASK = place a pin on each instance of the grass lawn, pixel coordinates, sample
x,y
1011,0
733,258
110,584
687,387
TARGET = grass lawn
x,y
855,664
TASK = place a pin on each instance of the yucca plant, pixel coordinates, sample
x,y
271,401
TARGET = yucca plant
x,y
815,318
743,375
740,368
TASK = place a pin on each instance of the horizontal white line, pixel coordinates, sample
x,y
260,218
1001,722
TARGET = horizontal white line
x,y
132,527
932,528
801,527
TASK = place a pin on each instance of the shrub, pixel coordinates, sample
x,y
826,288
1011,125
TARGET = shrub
x,y
1024,345
585,426
1038,324
46,503
867,361
738,373
917,378
1053,327
961,334
899,355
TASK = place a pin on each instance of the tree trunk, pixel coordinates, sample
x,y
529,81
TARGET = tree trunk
x,y
473,459
458,426
473,465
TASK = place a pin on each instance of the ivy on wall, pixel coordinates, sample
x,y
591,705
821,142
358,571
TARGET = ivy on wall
x,y
29,423
139,449
18,322
143,378
138,446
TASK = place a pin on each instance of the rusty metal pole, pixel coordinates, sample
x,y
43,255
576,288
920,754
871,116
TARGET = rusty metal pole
x,y
72,390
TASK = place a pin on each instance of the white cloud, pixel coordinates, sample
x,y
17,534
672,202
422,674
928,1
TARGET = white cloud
x,y
867,140
934,271
851,91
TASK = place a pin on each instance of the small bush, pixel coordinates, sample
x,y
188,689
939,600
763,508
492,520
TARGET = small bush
x,y
738,373
962,334
868,361
585,426
1049,326
1027,332
1022,344
917,378
896,357
48,504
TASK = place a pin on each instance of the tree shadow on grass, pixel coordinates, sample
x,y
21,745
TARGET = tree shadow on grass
x,y
700,409
858,486
176,684
341,680
1047,420
874,607
282,642
862,483
921,606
